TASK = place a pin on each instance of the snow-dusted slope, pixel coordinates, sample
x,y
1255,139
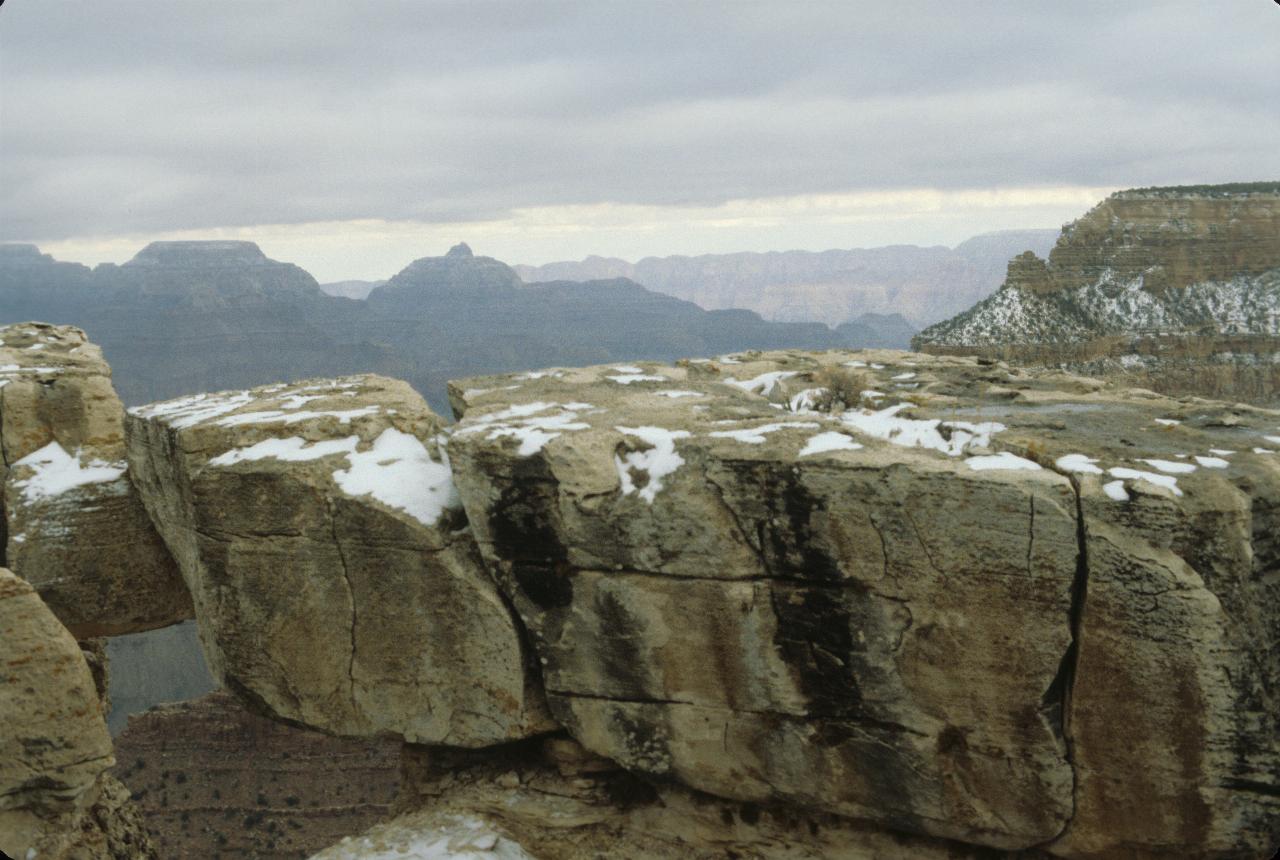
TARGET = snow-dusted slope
x,y
1241,305
1194,261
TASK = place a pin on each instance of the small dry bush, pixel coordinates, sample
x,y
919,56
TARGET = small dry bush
x,y
842,388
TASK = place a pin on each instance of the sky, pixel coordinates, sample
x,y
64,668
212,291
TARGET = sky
x,y
352,137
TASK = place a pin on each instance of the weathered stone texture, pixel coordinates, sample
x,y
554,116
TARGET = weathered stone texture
x,y
56,800
74,526
1006,608
334,580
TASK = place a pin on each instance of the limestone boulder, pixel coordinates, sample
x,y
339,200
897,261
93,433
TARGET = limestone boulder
x,y
74,525
334,578
1026,611
56,799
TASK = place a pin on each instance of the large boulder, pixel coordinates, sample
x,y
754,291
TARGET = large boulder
x,y
335,582
74,525
56,798
1010,609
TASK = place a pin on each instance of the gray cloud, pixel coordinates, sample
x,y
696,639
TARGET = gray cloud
x,y
151,115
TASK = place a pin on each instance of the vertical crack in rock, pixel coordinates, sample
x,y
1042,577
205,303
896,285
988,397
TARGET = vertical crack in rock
x,y
1031,537
1056,702
351,592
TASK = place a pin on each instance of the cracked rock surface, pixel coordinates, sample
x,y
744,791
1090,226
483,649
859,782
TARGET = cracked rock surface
x,y
1027,611
56,799
73,525
334,580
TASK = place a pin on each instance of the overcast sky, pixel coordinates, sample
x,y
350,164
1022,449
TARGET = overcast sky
x,y
353,136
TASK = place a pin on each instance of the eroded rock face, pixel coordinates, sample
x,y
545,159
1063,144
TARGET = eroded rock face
x,y
56,799
211,777
1018,610
334,580
553,801
75,527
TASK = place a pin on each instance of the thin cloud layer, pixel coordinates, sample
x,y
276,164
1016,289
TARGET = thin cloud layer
x,y
154,116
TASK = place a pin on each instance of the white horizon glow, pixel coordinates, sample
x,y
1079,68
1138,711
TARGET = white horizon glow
x,y
372,249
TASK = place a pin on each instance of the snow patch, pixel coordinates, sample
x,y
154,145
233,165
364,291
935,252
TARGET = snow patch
x,y
55,472
952,438
755,435
1168,422
1079,464
1115,490
185,412
399,472
1212,462
828,441
1003,460
763,383
675,394
525,422
1170,467
1169,483
291,449
627,379
657,462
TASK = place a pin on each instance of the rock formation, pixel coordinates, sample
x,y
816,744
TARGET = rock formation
x,y
213,779
1176,288
56,799
785,603
74,526
1010,609
550,799
319,532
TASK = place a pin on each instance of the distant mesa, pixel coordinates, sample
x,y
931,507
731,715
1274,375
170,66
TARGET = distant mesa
x,y
200,253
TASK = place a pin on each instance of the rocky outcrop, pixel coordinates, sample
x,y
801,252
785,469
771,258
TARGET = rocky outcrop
x,y
851,603
74,526
211,778
1150,283
334,580
929,610
550,799
56,799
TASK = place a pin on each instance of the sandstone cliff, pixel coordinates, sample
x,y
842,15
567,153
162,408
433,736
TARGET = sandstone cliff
x,y
1178,287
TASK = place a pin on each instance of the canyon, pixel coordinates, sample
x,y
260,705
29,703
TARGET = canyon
x,y
783,603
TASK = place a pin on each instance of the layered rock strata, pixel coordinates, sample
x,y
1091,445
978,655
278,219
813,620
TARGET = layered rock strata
x,y
56,798
73,525
1176,286
334,579
1012,609
213,779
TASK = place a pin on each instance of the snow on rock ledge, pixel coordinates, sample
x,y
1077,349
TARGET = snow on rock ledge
x,y
977,608
76,528
335,582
